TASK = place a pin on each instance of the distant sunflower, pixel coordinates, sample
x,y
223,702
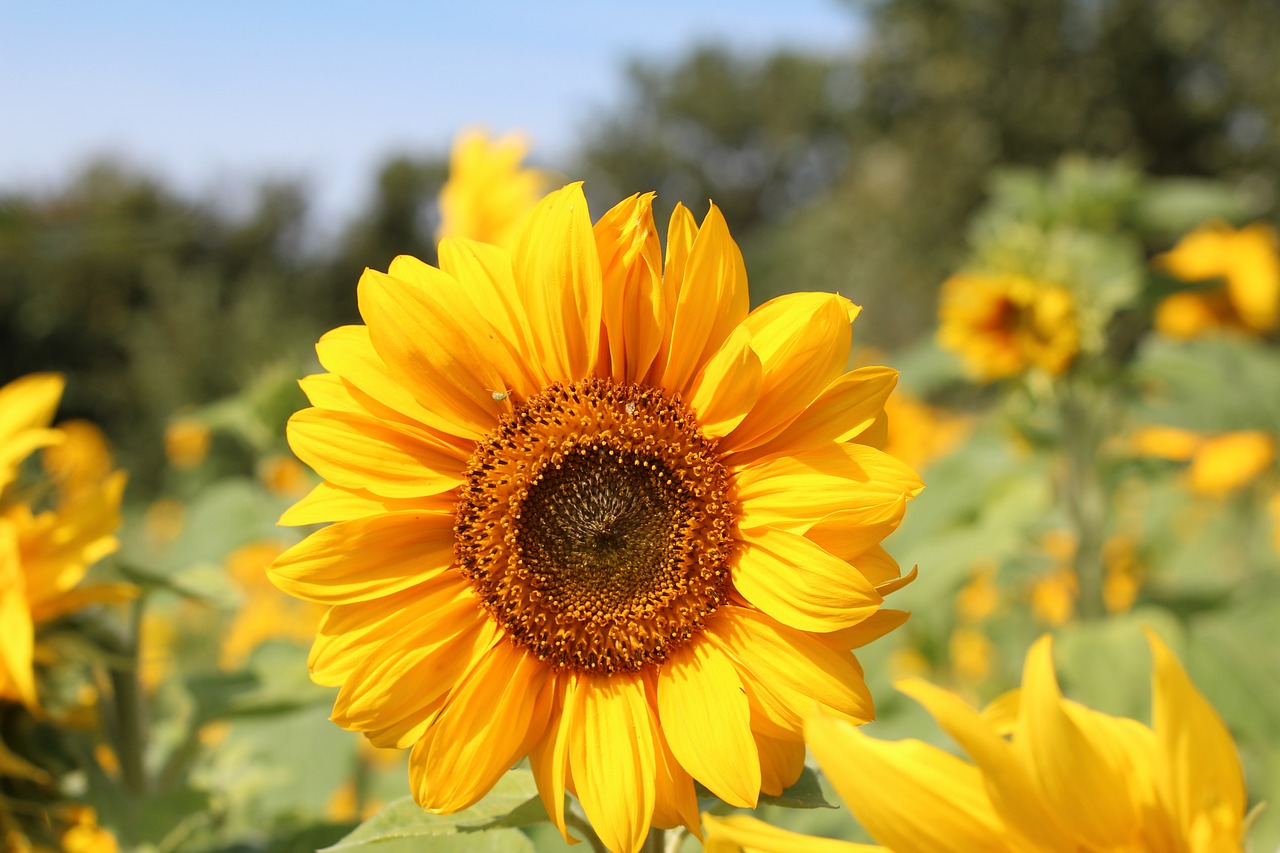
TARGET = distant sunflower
x,y
1248,263
489,191
1002,325
589,509
46,552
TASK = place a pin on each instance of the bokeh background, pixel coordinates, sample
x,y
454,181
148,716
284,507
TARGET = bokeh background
x,y
189,193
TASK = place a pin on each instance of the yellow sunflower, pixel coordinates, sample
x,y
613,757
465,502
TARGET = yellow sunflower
x,y
1048,774
488,192
589,509
1002,325
1248,262
44,554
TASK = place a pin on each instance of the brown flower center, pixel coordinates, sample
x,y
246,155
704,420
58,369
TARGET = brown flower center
x,y
596,525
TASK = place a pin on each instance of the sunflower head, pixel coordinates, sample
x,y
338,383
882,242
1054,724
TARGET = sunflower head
x,y
588,508
1246,261
1003,325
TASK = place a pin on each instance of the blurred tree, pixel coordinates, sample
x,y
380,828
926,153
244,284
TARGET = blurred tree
x,y
877,157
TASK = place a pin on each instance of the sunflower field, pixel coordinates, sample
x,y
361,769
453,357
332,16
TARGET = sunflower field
x,y
786,470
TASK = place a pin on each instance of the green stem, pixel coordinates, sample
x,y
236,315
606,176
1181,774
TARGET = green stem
x,y
583,826
130,740
656,842
1086,503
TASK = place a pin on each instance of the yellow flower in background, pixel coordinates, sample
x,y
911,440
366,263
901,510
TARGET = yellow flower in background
x,y
81,460
971,653
489,193
1247,260
27,406
284,475
186,442
265,613
1003,325
1122,573
1056,776
163,524
85,836
588,509
45,554
1227,462
1053,596
979,598
918,433
1164,442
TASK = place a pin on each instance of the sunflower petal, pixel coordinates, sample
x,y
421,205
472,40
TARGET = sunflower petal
x,y
615,731
890,785
361,452
843,410
727,387
712,301
1013,791
744,834
558,273
549,759
1086,786
1198,765
706,719
435,344
327,502
799,583
781,763
634,309
366,558
467,753
786,671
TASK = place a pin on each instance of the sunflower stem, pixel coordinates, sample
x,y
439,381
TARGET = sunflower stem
x,y
1083,424
583,826
656,842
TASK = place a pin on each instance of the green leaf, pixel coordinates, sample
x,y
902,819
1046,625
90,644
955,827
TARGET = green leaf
x,y
512,802
806,793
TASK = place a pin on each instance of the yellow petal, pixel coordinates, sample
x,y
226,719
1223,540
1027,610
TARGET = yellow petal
x,y
863,485
612,759
785,671
781,763
1198,766
707,722
558,272
348,633
634,310
675,799
362,452
1009,784
682,230
907,794
549,759
466,752
327,502
27,407
803,342
712,301
727,387
799,583
81,597
17,680
481,307
395,692
843,410
367,557
347,352
873,627
743,834
1086,785
435,344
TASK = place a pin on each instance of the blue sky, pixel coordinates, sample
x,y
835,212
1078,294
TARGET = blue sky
x,y
212,95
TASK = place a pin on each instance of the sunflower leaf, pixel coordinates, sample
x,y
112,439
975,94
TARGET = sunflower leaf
x,y
806,793
513,802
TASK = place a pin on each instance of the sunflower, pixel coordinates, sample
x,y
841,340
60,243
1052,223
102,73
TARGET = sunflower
x,y
1002,325
488,192
45,553
1248,263
1048,774
588,509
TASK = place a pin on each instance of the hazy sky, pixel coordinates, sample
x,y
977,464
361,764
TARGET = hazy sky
x,y
213,94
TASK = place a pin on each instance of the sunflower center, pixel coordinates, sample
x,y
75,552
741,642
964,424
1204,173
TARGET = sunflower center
x,y
596,526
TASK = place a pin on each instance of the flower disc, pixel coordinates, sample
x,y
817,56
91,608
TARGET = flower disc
x,y
595,525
